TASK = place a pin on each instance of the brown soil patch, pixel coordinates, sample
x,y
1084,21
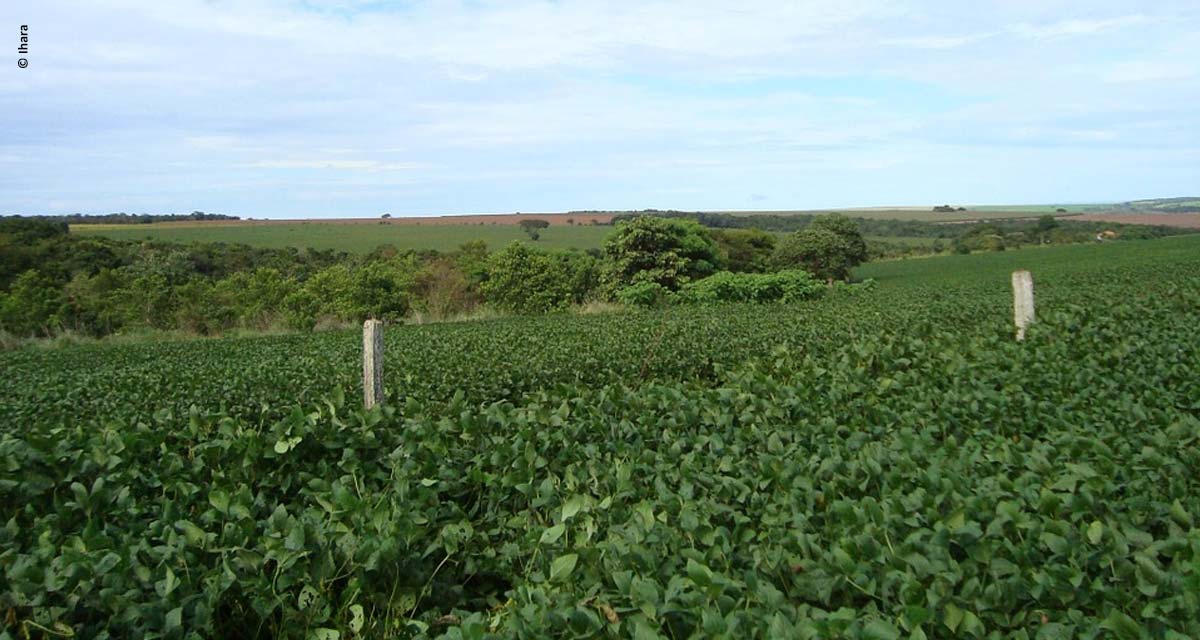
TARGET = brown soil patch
x,y
1183,220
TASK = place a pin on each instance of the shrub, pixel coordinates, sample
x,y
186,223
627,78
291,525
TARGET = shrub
x,y
524,280
822,253
745,249
32,306
781,286
644,294
828,248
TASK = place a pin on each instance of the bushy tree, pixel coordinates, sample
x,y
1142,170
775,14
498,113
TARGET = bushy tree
x,y
828,248
533,227
256,297
32,305
745,250
91,303
524,280
667,251
1046,224
847,229
981,237
820,252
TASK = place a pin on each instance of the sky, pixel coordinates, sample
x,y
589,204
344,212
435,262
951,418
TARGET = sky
x,y
347,108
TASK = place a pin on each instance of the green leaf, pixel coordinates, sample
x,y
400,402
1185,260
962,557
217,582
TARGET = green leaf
x,y
107,563
881,630
192,534
174,620
1122,626
1056,543
952,616
700,574
219,500
1095,532
573,506
562,566
287,444
357,618
295,538
551,535
171,582
323,633
306,597
1180,515
915,616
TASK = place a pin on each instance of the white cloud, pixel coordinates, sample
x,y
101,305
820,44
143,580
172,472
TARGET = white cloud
x,y
212,142
331,163
1149,71
937,42
534,102
1076,27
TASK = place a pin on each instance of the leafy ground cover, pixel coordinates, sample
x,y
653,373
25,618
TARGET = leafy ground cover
x,y
878,463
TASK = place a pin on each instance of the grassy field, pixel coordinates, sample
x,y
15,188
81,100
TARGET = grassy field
x,y
443,234
879,463
354,237
909,241
1043,208
359,237
923,214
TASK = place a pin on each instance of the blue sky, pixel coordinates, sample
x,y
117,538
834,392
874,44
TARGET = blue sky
x,y
330,108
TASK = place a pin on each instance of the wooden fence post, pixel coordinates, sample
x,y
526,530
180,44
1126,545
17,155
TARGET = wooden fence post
x,y
1022,283
372,363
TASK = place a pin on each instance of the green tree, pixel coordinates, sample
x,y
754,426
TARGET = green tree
x,y
847,229
668,251
820,252
32,306
745,250
1045,225
524,280
828,248
532,227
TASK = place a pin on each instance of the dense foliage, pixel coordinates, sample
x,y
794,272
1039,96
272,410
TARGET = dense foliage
x,y
668,252
524,280
744,250
1016,231
883,464
780,286
828,248
54,283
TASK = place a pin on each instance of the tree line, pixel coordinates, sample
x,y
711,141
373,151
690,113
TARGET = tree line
x,y
53,282
128,218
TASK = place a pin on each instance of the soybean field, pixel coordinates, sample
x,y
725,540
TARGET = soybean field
x,y
884,462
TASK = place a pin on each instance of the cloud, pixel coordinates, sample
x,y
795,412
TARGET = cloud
x,y
1076,27
211,142
530,104
936,42
340,164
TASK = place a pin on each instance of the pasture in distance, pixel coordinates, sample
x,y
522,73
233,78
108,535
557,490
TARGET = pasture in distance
x,y
354,236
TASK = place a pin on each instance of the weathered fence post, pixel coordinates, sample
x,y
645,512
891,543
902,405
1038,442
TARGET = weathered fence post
x,y
1022,283
372,363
